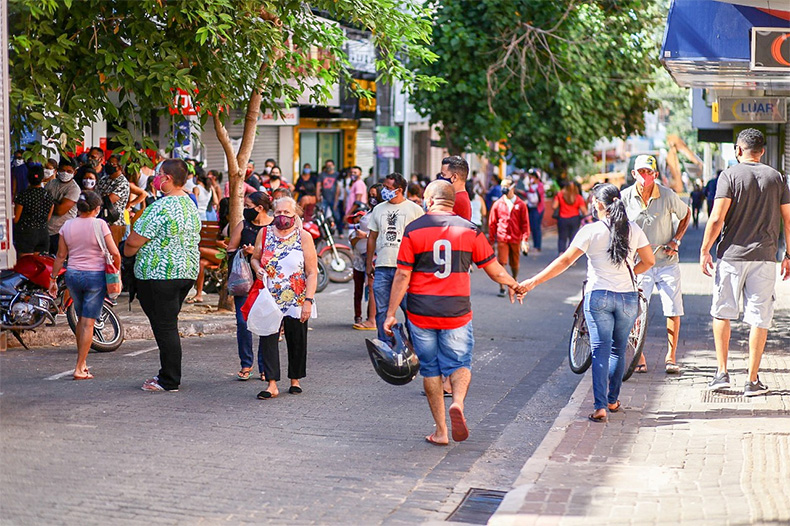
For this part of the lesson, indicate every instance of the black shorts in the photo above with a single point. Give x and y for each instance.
(29, 240)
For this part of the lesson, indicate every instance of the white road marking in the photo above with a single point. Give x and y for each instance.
(338, 291)
(59, 375)
(141, 351)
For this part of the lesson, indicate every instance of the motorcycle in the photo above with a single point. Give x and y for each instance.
(26, 304)
(336, 257)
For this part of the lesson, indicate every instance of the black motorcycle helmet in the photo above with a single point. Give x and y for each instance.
(398, 365)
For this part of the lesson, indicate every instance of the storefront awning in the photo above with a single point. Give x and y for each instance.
(707, 44)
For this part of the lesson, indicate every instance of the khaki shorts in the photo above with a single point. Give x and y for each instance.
(749, 282)
(666, 280)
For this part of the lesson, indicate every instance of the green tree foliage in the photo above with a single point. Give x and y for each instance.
(78, 61)
(550, 77)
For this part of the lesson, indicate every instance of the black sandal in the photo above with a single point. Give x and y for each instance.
(597, 419)
(616, 407)
(295, 389)
(265, 395)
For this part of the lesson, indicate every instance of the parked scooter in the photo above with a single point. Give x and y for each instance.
(336, 257)
(25, 303)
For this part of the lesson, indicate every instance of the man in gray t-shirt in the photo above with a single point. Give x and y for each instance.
(752, 200)
(65, 192)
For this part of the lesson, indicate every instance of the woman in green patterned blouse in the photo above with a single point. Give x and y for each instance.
(165, 239)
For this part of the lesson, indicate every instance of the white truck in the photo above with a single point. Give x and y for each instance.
(7, 252)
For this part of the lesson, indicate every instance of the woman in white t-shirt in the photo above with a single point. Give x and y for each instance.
(611, 300)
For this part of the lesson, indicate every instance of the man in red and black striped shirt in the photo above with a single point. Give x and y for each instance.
(433, 267)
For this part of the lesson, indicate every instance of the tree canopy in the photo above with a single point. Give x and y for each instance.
(549, 77)
(76, 62)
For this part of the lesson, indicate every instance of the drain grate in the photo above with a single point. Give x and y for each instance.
(723, 397)
(478, 506)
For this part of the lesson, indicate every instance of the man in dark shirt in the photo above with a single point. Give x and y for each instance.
(710, 191)
(433, 266)
(749, 198)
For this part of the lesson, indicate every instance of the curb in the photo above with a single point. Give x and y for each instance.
(60, 334)
(508, 513)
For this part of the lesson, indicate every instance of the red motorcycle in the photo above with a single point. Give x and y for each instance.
(25, 303)
(336, 257)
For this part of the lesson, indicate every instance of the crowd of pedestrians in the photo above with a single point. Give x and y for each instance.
(413, 247)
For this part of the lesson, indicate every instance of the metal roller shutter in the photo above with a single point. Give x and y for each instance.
(366, 156)
(267, 144)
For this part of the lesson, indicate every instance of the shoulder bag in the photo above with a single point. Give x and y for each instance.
(112, 275)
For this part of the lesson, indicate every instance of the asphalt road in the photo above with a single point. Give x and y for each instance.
(349, 450)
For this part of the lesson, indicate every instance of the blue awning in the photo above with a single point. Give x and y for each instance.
(707, 45)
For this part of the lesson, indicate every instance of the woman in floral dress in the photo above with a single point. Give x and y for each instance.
(285, 261)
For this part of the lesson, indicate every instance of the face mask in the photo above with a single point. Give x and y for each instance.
(49, 173)
(387, 194)
(274, 176)
(267, 170)
(65, 177)
(88, 183)
(250, 214)
(307, 171)
(156, 184)
(19, 162)
(373, 201)
(646, 179)
(249, 172)
(284, 222)
(94, 162)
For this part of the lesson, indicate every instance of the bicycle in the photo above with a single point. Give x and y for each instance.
(580, 350)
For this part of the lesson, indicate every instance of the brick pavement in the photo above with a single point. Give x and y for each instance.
(677, 454)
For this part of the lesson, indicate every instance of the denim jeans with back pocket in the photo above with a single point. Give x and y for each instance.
(610, 317)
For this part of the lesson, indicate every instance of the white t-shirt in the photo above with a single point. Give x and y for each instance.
(390, 221)
(602, 274)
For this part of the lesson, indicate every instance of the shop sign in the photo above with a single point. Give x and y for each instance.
(770, 49)
(388, 142)
(182, 104)
(361, 54)
(288, 117)
(751, 109)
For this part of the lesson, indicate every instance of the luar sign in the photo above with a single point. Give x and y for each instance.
(752, 109)
(770, 49)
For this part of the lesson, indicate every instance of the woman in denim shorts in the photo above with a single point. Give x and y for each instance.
(85, 273)
(611, 300)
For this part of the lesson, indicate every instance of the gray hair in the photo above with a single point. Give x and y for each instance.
(290, 200)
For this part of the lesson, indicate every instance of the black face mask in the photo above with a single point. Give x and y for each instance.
(250, 214)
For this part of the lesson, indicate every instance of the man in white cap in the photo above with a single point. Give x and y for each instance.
(652, 207)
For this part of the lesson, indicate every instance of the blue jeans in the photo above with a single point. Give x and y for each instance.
(610, 317)
(87, 288)
(244, 338)
(382, 285)
(535, 225)
(442, 351)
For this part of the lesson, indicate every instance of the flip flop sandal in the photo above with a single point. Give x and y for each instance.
(617, 407)
(641, 369)
(193, 301)
(87, 376)
(458, 424)
(597, 419)
(431, 440)
(243, 375)
(671, 368)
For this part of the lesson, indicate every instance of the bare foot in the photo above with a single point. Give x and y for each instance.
(437, 440)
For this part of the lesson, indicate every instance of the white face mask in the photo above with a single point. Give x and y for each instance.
(65, 177)
(49, 173)
(19, 162)
(88, 183)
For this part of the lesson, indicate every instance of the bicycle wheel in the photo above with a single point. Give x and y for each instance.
(579, 350)
(636, 340)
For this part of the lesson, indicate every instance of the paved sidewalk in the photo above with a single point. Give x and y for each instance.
(195, 320)
(678, 453)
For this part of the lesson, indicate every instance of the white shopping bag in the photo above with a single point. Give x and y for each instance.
(265, 316)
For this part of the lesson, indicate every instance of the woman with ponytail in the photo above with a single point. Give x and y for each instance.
(611, 299)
